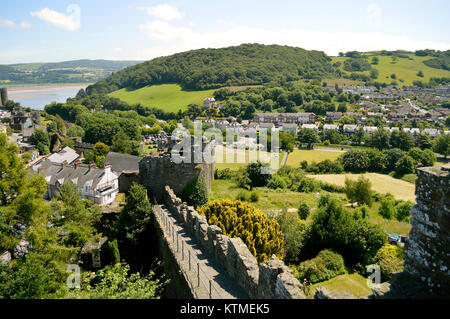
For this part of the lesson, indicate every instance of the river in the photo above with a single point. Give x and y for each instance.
(38, 96)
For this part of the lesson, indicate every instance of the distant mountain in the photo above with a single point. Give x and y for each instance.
(247, 64)
(79, 71)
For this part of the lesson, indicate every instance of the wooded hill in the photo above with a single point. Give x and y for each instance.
(247, 64)
(78, 71)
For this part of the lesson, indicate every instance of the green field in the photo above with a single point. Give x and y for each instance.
(297, 156)
(352, 283)
(263, 156)
(403, 68)
(168, 97)
(380, 183)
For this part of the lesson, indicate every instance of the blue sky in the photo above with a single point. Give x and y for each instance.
(59, 30)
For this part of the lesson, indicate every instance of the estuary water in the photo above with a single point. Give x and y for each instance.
(37, 97)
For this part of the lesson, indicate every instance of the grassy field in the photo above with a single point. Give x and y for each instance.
(352, 283)
(168, 97)
(269, 200)
(264, 157)
(404, 69)
(380, 183)
(297, 156)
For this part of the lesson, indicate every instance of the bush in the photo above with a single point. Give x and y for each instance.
(308, 185)
(293, 229)
(359, 191)
(258, 178)
(254, 196)
(390, 260)
(356, 161)
(195, 193)
(223, 174)
(403, 211)
(303, 211)
(325, 266)
(276, 182)
(262, 236)
(387, 208)
(405, 165)
(243, 196)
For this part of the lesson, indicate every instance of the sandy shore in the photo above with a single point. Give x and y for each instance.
(45, 87)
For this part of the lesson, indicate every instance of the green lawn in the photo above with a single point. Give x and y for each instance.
(404, 69)
(168, 97)
(381, 183)
(352, 283)
(297, 156)
(260, 155)
(269, 199)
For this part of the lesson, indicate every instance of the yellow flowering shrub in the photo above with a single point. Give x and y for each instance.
(262, 236)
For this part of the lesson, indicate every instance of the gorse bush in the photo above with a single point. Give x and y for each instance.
(262, 236)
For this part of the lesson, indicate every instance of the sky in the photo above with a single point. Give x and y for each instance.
(60, 30)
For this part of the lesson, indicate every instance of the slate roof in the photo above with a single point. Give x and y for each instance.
(65, 155)
(123, 162)
(83, 174)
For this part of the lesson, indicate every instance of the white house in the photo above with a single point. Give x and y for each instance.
(67, 155)
(99, 185)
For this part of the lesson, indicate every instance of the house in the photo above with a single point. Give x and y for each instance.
(395, 117)
(209, 103)
(370, 129)
(411, 131)
(290, 128)
(67, 155)
(281, 118)
(311, 126)
(391, 129)
(350, 129)
(333, 116)
(418, 116)
(221, 124)
(431, 132)
(327, 127)
(374, 114)
(123, 162)
(99, 185)
(266, 126)
(358, 116)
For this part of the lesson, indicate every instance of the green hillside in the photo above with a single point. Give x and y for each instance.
(78, 71)
(247, 64)
(168, 97)
(406, 68)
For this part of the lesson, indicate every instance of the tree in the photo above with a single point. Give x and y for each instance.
(114, 282)
(402, 140)
(196, 193)
(308, 136)
(134, 217)
(303, 211)
(257, 174)
(355, 161)
(391, 157)
(424, 141)
(359, 136)
(380, 139)
(405, 165)
(334, 228)
(441, 145)
(40, 137)
(101, 149)
(294, 230)
(287, 142)
(403, 211)
(75, 131)
(375, 61)
(262, 235)
(387, 207)
(121, 143)
(374, 73)
(359, 191)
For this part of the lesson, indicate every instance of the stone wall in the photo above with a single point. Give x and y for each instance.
(157, 172)
(126, 179)
(271, 279)
(427, 251)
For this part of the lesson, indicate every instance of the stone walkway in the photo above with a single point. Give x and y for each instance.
(205, 277)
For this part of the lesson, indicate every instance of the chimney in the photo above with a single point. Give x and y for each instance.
(107, 168)
(91, 165)
(77, 163)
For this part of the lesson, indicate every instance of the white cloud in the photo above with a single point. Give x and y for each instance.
(173, 39)
(5, 23)
(374, 18)
(25, 25)
(60, 20)
(164, 12)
